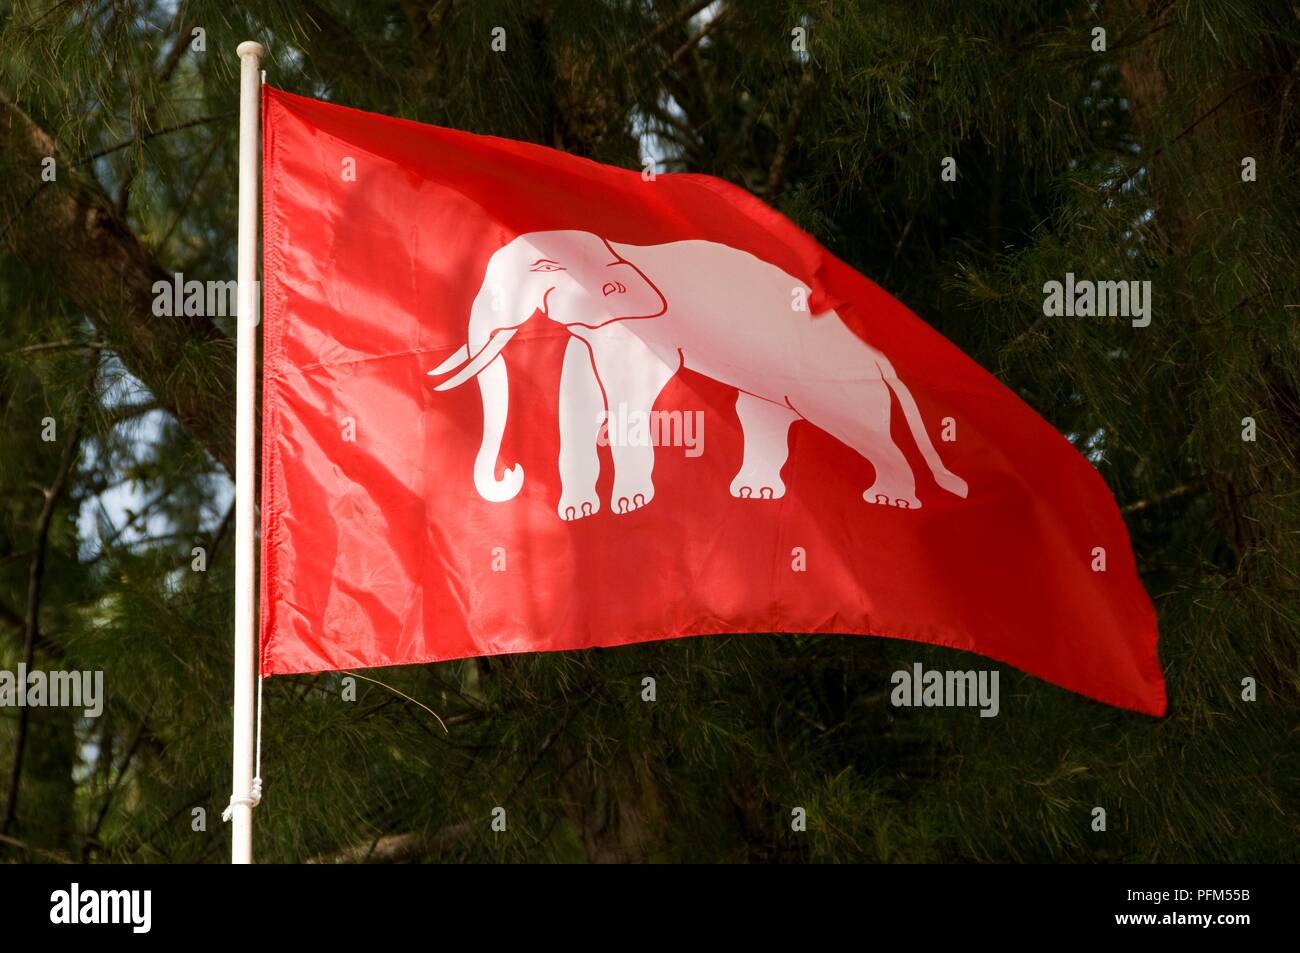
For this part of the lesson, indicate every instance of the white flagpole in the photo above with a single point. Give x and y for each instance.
(241, 800)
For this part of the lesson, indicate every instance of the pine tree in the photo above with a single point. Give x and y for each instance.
(962, 154)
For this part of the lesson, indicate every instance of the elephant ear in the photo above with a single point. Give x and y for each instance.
(634, 294)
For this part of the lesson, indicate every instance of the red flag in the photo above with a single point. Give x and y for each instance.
(516, 401)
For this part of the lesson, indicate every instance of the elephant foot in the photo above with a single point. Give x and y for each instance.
(626, 499)
(577, 505)
(904, 501)
(757, 486)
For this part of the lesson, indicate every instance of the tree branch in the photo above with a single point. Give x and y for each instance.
(674, 21)
(185, 361)
(397, 848)
(32, 631)
(53, 855)
(776, 174)
(115, 786)
(1139, 505)
(145, 137)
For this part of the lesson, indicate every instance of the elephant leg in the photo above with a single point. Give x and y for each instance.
(859, 416)
(581, 410)
(632, 375)
(766, 427)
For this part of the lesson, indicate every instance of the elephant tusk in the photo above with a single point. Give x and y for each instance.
(456, 360)
(480, 360)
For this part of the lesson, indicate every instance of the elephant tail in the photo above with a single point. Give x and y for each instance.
(942, 475)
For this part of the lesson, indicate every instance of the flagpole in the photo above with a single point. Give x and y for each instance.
(241, 800)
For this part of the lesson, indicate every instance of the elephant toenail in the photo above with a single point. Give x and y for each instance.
(766, 493)
(586, 509)
(568, 512)
(638, 501)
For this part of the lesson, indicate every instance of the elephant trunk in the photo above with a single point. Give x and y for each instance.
(493, 385)
(481, 359)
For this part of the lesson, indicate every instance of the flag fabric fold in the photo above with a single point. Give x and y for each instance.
(516, 401)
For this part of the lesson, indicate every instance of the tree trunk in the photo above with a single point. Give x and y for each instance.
(101, 268)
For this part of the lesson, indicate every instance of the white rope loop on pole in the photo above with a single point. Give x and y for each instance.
(254, 795)
(252, 799)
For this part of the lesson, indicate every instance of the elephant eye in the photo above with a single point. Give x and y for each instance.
(545, 265)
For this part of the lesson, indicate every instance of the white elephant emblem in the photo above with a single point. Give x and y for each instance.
(639, 313)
